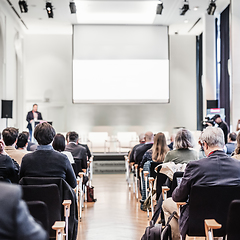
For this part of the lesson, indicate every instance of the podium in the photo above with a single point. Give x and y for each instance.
(34, 123)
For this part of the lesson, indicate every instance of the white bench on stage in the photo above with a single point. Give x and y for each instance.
(127, 140)
(99, 141)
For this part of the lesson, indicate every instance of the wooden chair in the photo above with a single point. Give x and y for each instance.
(232, 228)
(210, 202)
(65, 193)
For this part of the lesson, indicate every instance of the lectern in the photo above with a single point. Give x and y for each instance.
(34, 123)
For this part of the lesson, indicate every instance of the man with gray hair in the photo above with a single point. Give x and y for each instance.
(216, 169)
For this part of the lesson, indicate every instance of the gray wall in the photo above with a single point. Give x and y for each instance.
(48, 82)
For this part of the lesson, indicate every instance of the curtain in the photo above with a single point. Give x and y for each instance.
(224, 76)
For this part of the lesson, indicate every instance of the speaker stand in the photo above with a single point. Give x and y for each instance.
(6, 122)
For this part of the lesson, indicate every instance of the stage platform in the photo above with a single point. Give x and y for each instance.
(106, 163)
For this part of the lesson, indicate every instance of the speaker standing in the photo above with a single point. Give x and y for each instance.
(33, 115)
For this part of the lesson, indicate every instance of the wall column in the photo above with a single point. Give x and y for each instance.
(209, 60)
(235, 60)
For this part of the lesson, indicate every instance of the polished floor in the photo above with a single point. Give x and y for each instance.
(116, 215)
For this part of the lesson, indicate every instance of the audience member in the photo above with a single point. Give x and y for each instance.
(182, 152)
(10, 135)
(236, 153)
(216, 169)
(170, 145)
(231, 145)
(59, 145)
(156, 154)
(45, 161)
(201, 153)
(81, 144)
(22, 142)
(78, 152)
(15, 219)
(31, 145)
(223, 125)
(132, 153)
(8, 170)
(139, 152)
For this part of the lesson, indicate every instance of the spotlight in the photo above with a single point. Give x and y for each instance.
(73, 8)
(23, 6)
(184, 8)
(49, 9)
(211, 8)
(159, 8)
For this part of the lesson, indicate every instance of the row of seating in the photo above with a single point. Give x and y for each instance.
(215, 215)
(44, 197)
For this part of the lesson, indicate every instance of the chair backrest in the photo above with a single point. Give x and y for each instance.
(39, 211)
(161, 181)
(49, 194)
(174, 183)
(152, 169)
(210, 202)
(233, 232)
(66, 193)
(78, 166)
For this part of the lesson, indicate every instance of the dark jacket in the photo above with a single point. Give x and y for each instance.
(217, 169)
(87, 149)
(223, 125)
(8, 170)
(78, 152)
(48, 163)
(140, 152)
(16, 223)
(132, 153)
(30, 117)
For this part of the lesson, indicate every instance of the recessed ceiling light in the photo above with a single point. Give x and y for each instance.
(196, 8)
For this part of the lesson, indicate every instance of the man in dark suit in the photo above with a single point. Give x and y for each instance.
(33, 115)
(143, 148)
(216, 169)
(45, 161)
(223, 125)
(79, 153)
(132, 152)
(15, 219)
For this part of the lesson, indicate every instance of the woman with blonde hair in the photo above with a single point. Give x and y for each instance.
(156, 154)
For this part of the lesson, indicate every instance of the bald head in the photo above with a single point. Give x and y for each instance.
(149, 136)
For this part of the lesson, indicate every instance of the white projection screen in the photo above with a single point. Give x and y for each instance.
(120, 64)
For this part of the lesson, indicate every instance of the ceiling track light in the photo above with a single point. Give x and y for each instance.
(49, 9)
(23, 6)
(212, 7)
(184, 8)
(73, 8)
(159, 8)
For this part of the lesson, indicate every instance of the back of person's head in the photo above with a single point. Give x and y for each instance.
(237, 150)
(10, 135)
(213, 136)
(184, 139)
(232, 136)
(67, 136)
(1, 146)
(26, 133)
(149, 136)
(159, 148)
(44, 133)
(73, 137)
(59, 142)
(141, 137)
(22, 140)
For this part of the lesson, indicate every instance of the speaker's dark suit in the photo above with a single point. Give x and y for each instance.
(217, 169)
(78, 152)
(31, 117)
(15, 219)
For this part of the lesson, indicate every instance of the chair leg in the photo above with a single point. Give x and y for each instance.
(66, 204)
(59, 227)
